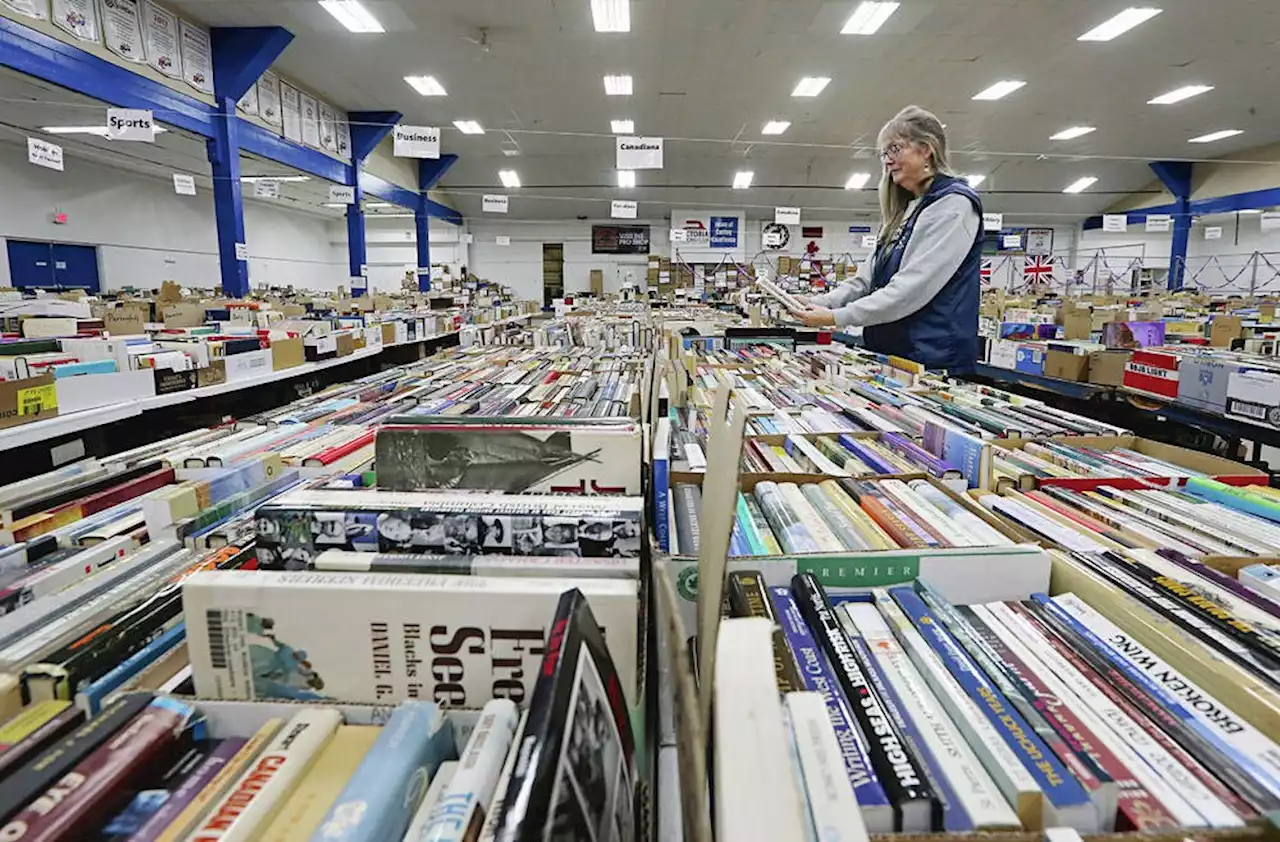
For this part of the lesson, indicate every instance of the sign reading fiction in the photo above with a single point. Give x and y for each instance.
(417, 142)
(619, 239)
(639, 153)
(131, 124)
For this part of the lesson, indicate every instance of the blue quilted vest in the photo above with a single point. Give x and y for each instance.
(944, 332)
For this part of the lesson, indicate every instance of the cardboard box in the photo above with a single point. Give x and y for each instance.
(1066, 366)
(1223, 329)
(24, 401)
(1153, 373)
(90, 391)
(286, 353)
(182, 314)
(1253, 396)
(597, 281)
(1077, 323)
(212, 374)
(1202, 382)
(1106, 368)
(1003, 354)
(1029, 360)
(123, 323)
(346, 344)
(167, 381)
(248, 365)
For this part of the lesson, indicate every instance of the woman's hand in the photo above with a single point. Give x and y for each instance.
(816, 317)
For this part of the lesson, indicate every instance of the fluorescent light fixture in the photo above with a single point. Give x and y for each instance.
(811, 85)
(611, 15)
(626, 179)
(374, 205)
(394, 216)
(617, 85)
(868, 17)
(775, 127)
(1080, 185)
(742, 180)
(426, 85)
(1073, 133)
(1180, 94)
(975, 179)
(999, 89)
(1212, 136)
(336, 205)
(352, 15)
(1250, 210)
(857, 181)
(1120, 24)
(510, 179)
(99, 131)
(283, 179)
(468, 126)
(627, 127)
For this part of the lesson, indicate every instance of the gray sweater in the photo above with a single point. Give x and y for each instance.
(942, 238)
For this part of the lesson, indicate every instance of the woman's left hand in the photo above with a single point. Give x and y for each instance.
(817, 317)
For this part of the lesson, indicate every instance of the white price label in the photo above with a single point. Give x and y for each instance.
(494, 204)
(341, 194)
(131, 124)
(269, 189)
(42, 153)
(1115, 223)
(992, 221)
(623, 209)
(1012, 241)
(639, 153)
(416, 142)
(184, 185)
(786, 216)
(242, 251)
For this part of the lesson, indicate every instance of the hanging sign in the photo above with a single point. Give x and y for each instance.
(183, 184)
(78, 17)
(1039, 242)
(131, 124)
(1012, 241)
(122, 29)
(328, 134)
(494, 204)
(310, 120)
(242, 251)
(266, 189)
(1270, 220)
(160, 38)
(197, 57)
(42, 153)
(992, 222)
(1115, 223)
(249, 102)
(291, 112)
(622, 209)
(679, 235)
(868, 241)
(1159, 222)
(786, 216)
(417, 142)
(341, 193)
(1213, 232)
(343, 132)
(639, 153)
(38, 9)
(502, 240)
(269, 98)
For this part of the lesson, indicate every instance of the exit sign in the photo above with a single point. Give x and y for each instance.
(60, 218)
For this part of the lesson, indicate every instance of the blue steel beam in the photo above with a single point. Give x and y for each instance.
(267, 144)
(368, 128)
(431, 170)
(241, 54)
(422, 235)
(1176, 177)
(228, 204)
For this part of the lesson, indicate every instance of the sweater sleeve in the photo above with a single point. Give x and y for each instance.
(943, 235)
(851, 290)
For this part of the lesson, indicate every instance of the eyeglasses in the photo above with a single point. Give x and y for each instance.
(891, 151)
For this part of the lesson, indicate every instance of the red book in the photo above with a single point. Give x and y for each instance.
(333, 454)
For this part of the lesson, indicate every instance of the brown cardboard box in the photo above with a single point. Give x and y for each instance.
(182, 314)
(213, 374)
(1066, 366)
(286, 353)
(1223, 329)
(346, 344)
(24, 401)
(1077, 323)
(1267, 311)
(1106, 368)
(388, 333)
(597, 281)
(123, 323)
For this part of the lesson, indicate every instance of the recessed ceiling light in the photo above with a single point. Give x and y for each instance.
(426, 85)
(377, 205)
(627, 127)
(1180, 94)
(1212, 136)
(1080, 185)
(857, 181)
(1073, 133)
(611, 15)
(811, 85)
(1119, 24)
(352, 15)
(742, 180)
(99, 131)
(336, 205)
(626, 178)
(868, 17)
(511, 153)
(281, 178)
(617, 85)
(775, 127)
(999, 89)
(468, 126)
(510, 179)
(975, 179)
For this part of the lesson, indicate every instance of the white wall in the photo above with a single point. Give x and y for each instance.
(391, 248)
(147, 234)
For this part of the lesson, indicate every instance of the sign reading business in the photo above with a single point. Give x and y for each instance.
(619, 239)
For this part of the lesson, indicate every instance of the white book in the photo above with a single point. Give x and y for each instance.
(1161, 774)
(263, 787)
(832, 807)
(1261, 578)
(813, 522)
(1013, 780)
(490, 830)
(822, 463)
(953, 531)
(977, 792)
(444, 776)
(62, 574)
(756, 794)
(984, 535)
(460, 812)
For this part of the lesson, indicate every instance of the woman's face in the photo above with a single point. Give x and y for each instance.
(908, 163)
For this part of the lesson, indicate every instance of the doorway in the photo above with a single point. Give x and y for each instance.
(552, 272)
(52, 265)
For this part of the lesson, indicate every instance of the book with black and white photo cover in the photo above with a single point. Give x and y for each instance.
(575, 773)
(458, 641)
(515, 455)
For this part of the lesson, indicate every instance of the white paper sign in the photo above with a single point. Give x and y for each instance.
(249, 102)
(1159, 222)
(343, 131)
(291, 112)
(269, 189)
(242, 251)
(79, 17)
(679, 235)
(786, 216)
(310, 120)
(1012, 241)
(197, 57)
(772, 239)
(160, 37)
(38, 9)
(494, 204)
(623, 209)
(42, 153)
(992, 221)
(416, 142)
(868, 241)
(1040, 242)
(269, 98)
(131, 124)
(1213, 232)
(639, 153)
(501, 240)
(328, 135)
(342, 193)
(184, 185)
(1115, 223)
(122, 29)
(1270, 220)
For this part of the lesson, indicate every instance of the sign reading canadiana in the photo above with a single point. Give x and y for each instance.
(619, 239)
(639, 153)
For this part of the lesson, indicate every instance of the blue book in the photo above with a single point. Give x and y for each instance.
(379, 801)
(65, 370)
(90, 698)
(662, 483)
(1070, 804)
(816, 674)
(744, 522)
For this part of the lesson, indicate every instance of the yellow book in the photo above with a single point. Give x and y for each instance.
(10, 696)
(297, 820)
(29, 720)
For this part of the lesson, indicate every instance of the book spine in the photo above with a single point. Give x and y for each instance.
(902, 773)
(786, 524)
(661, 481)
(762, 528)
(747, 599)
(91, 697)
(831, 803)
(187, 790)
(817, 676)
(19, 752)
(688, 502)
(493, 812)
(29, 721)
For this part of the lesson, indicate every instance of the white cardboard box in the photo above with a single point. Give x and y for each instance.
(248, 365)
(1254, 396)
(89, 391)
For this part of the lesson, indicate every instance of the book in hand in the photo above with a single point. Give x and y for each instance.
(379, 637)
(576, 772)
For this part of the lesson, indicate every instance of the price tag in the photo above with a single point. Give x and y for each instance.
(37, 399)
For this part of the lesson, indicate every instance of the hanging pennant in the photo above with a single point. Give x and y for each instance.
(249, 102)
(78, 17)
(291, 112)
(160, 38)
(197, 57)
(38, 9)
(343, 130)
(328, 135)
(269, 98)
(122, 29)
(310, 121)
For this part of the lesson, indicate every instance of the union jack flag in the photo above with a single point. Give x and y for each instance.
(1037, 271)
(985, 271)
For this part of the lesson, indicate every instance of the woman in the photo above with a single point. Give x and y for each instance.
(917, 297)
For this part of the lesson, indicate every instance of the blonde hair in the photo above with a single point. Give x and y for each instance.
(913, 125)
